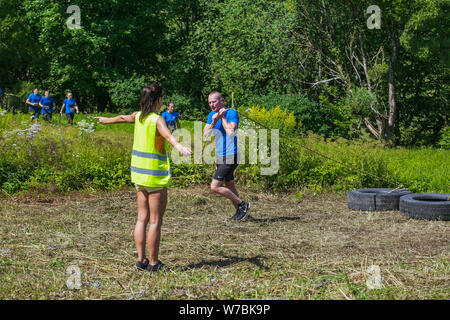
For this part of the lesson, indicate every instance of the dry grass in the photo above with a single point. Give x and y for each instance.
(314, 248)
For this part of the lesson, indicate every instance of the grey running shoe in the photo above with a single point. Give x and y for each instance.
(241, 214)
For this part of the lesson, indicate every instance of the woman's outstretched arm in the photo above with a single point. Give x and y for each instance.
(165, 132)
(119, 119)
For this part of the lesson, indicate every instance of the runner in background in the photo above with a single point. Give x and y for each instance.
(171, 117)
(48, 105)
(33, 104)
(70, 106)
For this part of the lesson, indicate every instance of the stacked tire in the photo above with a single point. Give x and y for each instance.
(428, 206)
(375, 199)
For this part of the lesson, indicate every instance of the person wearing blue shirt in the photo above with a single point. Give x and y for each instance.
(171, 117)
(70, 106)
(48, 105)
(224, 122)
(1, 91)
(33, 104)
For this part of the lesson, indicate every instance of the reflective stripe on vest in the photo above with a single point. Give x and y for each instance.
(149, 155)
(149, 167)
(150, 172)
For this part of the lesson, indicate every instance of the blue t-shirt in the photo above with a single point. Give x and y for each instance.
(225, 145)
(34, 98)
(47, 103)
(70, 105)
(171, 119)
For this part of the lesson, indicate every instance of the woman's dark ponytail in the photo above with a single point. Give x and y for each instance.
(149, 99)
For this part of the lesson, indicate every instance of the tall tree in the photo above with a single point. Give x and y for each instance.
(348, 52)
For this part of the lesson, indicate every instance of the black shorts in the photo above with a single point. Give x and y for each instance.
(34, 113)
(225, 168)
(47, 117)
(70, 117)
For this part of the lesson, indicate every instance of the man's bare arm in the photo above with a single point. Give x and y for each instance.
(230, 128)
(208, 128)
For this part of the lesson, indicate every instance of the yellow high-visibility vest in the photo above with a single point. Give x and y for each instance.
(150, 164)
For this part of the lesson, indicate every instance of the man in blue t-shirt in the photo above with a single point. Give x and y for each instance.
(171, 117)
(224, 123)
(33, 104)
(48, 105)
(70, 106)
(1, 91)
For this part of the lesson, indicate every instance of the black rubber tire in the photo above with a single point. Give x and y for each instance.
(428, 206)
(375, 199)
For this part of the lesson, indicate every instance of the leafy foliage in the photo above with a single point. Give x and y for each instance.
(445, 137)
(125, 94)
(306, 56)
(60, 158)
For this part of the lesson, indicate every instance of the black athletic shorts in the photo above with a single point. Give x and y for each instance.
(47, 117)
(225, 168)
(70, 117)
(34, 112)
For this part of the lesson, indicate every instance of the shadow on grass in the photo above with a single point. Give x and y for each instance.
(277, 219)
(227, 261)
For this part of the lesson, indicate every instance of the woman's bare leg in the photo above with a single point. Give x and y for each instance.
(157, 203)
(141, 224)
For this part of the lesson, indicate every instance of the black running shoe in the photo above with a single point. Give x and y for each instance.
(156, 267)
(142, 266)
(243, 208)
(235, 215)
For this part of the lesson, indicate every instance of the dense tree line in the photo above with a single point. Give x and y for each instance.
(318, 59)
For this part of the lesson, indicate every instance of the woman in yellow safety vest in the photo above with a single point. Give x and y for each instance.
(150, 171)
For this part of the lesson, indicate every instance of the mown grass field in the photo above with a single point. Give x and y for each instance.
(297, 244)
(312, 248)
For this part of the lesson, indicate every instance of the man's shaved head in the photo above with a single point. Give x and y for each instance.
(217, 94)
(215, 101)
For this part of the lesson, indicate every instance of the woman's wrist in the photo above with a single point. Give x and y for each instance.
(178, 145)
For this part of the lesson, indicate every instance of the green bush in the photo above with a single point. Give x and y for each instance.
(64, 158)
(445, 138)
(305, 111)
(61, 158)
(188, 108)
(361, 102)
(275, 118)
(126, 93)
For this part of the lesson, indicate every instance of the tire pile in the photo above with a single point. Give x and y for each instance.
(428, 206)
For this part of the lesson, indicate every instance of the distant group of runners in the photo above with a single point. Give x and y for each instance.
(45, 105)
